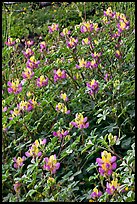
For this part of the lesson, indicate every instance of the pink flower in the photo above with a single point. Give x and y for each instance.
(80, 122)
(42, 46)
(118, 54)
(65, 32)
(14, 86)
(41, 81)
(86, 41)
(111, 187)
(10, 42)
(29, 43)
(51, 164)
(53, 27)
(32, 63)
(72, 42)
(96, 193)
(17, 187)
(28, 73)
(64, 97)
(28, 53)
(60, 134)
(34, 150)
(106, 164)
(83, 63)
(93, 87)
(86, 27)
(60, 107)
(18, 161)
(58, 74)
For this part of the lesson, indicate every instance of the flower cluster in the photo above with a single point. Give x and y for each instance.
(58, 74)
(83, 63)
(53, 27)
(34, 149)
(80, 122)
(93, 87)
(86, 27)
(14, 86)
(10, 42)
(60, 107)
(32, 63)
(72, 42)
(96, 193)
(51, 164)
(28, 53)
(65, 32)
(60, 133)
(41, 81)
(28, 73)
(18, 161)
(64, 97)
(106, 164)
(111, 187)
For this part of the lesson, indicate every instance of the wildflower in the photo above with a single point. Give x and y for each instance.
(28, 73)
(65, 32)
(18, 162)
(53, 28)
(93, 87)
(96, 55)
(31, 104)
(51, 164)
(58, 74)
(86, 27)
(22, 106)
(86, 41)
(10, 42)
(17, 187)
(105, 20)
(15, 86)
(60, 134)
(107, 77)
(41, 81)
(96, 193)
(4, 128)
(123, 25)
(43, 142)
(109, 12)
(94, 63)
(106, 164)
(34, 150)
(80, 121)
(28, 53)
(14, 113)
(83, 63)
(29, 43)
(32, 63)
(118, 54)
(60, 107)
(4, 109)
(111, 187)
(72, 42)
(42, 46)
(64, 96)
(95, 26)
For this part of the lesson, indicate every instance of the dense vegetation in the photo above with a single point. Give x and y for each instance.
(68, 102)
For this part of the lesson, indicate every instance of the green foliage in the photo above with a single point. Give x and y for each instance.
(110, 111)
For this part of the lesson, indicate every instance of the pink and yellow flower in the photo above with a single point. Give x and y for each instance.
(72, 42)
(15, 86)
(118, 54)
(29, 43)
(83, 63)
(93, 87)
(53, 27)
(65, 32)
(41, 81)
(18, 161)
(34, 150)
(64, 96)
(14, 113)
(111, 187)
(32, 63)
(42, 46)
(60, 107)
(80, 122)
(109, 12)
(60, 133)
(28, 53)
(106, 164)
(51, 164)
(58, 74)
(28, 73)
(10, 42)
(17, 186)
(86, 27)
(86, 41)
(96, 193)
